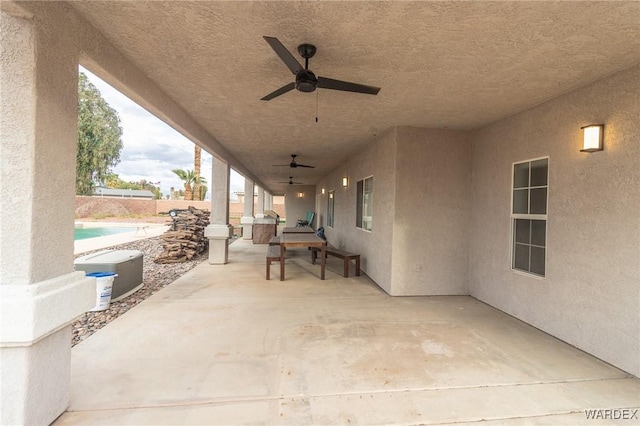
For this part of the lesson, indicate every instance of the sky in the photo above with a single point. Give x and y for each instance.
(152, 148)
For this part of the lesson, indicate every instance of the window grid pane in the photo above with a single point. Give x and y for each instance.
(523, 231)
(521, 201)
(539, 172)
(530, 189)
(359, 204)
(521, 257)
(521, 175)
(364, 204)
(538, 203)
(330, 208)
(536, 265)
(538, 233)
(368, 204)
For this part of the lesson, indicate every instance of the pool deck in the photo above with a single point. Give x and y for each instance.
(140, 231)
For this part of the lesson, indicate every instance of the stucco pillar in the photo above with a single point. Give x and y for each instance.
(269, 201)
(247, 216)
(40, 294)
(260, 208)
(219, 231)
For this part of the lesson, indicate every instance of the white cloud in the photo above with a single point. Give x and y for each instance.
(151, 147)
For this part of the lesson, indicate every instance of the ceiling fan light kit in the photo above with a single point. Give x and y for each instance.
(306, 81)
(291, 182)
(293, 163)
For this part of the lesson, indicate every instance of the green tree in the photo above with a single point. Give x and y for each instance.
(201, 184)
(150, 186)
(203, 190)
(192, 181)
(112, 180)
(99, 137)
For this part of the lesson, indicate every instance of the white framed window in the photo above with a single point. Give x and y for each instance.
(364, 207)
(529, 199)
(330, 208)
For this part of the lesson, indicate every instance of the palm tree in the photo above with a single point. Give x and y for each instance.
(188, 177)
(201, 184)
(203, 190)
(196, 171)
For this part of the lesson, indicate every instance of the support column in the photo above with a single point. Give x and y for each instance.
(40, 294)
(219, 231)
(264, 226)
(268, 201)
(260, 209)
(247, 216)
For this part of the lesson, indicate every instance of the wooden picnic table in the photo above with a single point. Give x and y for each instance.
(302, 240)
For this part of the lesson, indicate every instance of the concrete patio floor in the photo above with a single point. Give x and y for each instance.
(222, 345)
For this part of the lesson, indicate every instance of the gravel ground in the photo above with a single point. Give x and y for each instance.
(155, 276)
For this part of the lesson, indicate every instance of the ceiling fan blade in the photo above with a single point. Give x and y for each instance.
(286, 56)
(291, 182)
(329, 83)
(293, 164)
(280, 91)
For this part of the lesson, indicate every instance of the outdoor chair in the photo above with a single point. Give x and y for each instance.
(310, 216)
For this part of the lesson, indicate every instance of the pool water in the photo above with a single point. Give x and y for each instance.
(84, 233)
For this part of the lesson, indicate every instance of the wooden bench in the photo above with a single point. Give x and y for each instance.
(342, 254)
(273, 255)
(274, 241)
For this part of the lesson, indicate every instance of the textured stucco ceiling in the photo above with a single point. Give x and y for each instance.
(440, 65)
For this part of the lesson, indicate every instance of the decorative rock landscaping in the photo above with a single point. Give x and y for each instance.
(155, 277)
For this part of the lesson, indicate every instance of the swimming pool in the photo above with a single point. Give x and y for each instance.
(84, 233)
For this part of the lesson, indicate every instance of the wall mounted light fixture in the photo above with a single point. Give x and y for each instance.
(345, 181)
(322, 191)
(300, 194)
(593, 136)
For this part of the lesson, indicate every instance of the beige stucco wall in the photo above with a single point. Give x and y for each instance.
(375, 247)
(297, 208)
(432, 212)
(591, 294)
(421, 198)
(40, 294)
(38, 144)
(441, 221)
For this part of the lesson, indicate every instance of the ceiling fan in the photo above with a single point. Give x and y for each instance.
(306, 80)
(291, 182)
(293, 163)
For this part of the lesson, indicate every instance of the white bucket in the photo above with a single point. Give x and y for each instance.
(104, 285)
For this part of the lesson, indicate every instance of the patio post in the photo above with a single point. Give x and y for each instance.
(269, 201)
(219, 231)
(40, 293)
(260, 208)
(247, 217)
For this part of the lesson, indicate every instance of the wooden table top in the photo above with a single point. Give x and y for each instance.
(298, 230)
(302, 240)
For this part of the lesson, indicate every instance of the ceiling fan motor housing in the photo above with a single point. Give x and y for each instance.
(306, 81)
